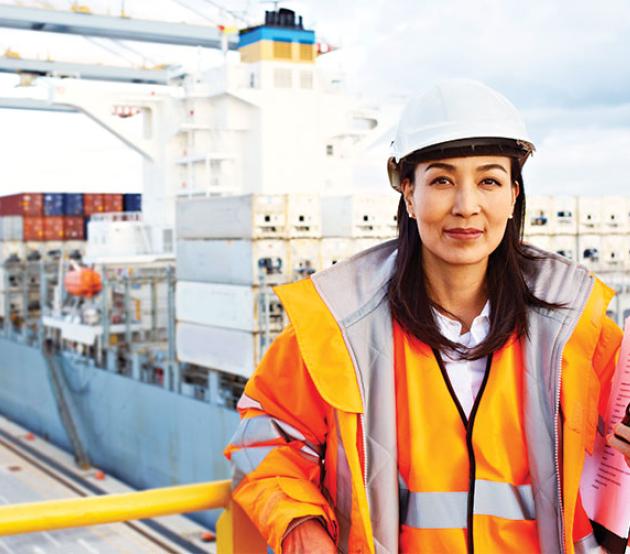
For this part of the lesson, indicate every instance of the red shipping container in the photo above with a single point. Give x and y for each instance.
(33, 228)
(53, 227)
(113, 202)
(73, 226)
(31, 204)
(93, 204)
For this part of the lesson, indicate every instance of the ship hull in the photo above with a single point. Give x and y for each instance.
(139, 433)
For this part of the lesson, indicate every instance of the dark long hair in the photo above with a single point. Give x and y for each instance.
(508, 267)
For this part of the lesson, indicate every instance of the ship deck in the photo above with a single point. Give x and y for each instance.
(32, 470)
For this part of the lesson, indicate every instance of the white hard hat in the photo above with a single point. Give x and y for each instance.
(457, 110)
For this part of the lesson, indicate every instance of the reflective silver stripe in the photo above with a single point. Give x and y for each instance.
(437, 510)
(448, 510)
(343, 504)
(246, 402)
(504, 500)
(263, 428)
(246, 460)
(588, 545)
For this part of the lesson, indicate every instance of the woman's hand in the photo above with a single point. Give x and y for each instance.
(623, 447)
(309, 537)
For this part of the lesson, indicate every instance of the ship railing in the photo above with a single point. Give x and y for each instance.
(117, 216)
(235, 532)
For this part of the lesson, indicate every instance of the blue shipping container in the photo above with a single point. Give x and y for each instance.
(132, 202)
(53, 204)
(73, 204)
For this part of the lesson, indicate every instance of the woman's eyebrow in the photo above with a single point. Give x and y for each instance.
(441, 165)
(485, 167)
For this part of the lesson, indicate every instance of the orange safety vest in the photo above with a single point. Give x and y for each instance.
(465, 481)
(307, 445)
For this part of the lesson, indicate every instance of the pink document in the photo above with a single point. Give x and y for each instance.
(605, 483)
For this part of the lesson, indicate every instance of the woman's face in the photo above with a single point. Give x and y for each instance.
(462, 206)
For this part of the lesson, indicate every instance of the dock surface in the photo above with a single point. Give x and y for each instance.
(33, 470)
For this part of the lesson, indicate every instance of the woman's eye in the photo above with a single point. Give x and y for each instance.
(441, 181)
(490, 181)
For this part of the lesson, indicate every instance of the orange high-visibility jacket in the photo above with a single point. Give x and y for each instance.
(318, 435)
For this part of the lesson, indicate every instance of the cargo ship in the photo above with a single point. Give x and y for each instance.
(129, 325)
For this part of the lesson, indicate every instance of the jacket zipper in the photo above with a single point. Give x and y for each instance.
(586, 291)
(364, 458)
(556, 453)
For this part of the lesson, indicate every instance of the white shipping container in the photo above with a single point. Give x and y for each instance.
(590, 251)
(8, 248)
(390, 215)
(250, 216)
(303, 215)
(11, 228)
(228, 306)
(565, 245)
(614, 252)
(228, 350)
(354, 216)
(614, 218)
(589, 214)
(539, 218)
(334, 250)
(304, 257)
(565, 215)
(240, 262)
(541, 241)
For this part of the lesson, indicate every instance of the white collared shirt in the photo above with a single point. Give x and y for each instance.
(466, 376)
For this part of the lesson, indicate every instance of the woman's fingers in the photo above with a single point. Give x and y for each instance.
(617, 443)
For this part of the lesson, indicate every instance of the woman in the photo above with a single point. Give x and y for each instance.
(436, 393)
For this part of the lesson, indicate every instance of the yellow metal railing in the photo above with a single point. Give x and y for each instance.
(235, 532)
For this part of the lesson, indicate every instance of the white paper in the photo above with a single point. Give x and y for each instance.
(605, 485)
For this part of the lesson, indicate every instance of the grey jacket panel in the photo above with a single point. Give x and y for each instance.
(355, 292)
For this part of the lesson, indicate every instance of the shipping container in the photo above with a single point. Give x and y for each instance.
(93, 204)
(30, 204)
(305, 257)
(303, 215)
(243, 262)
(112, 203)
(589, 214)
(228, 350)
(73, 227)
(11, 227)
(33, 228)
(53, 204)
(539, 219)
(252, 216)
(356, 216)
(73, 204)
(53, 227)
(132, 202)
(241, 307)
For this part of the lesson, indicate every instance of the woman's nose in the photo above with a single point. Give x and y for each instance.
(466, 201)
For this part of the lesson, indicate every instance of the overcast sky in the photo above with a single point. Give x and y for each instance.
(564, 64)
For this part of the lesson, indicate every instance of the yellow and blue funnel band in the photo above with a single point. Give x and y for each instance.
(276, 34)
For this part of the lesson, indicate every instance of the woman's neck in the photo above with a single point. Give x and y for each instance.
(459, 289)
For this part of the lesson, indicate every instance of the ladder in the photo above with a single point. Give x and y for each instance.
(56, 381)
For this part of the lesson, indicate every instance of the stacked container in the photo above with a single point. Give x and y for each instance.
(592, 230)
(230, 251)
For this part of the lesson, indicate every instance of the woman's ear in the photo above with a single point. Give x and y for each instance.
(407, 191)
(516, 190)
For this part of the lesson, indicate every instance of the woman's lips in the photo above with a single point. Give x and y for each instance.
(464, 234)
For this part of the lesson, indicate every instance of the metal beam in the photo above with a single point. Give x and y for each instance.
(35, 19)
(90, 71)
(33, 104)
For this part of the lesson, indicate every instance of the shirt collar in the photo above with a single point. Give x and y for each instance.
(451, 329)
